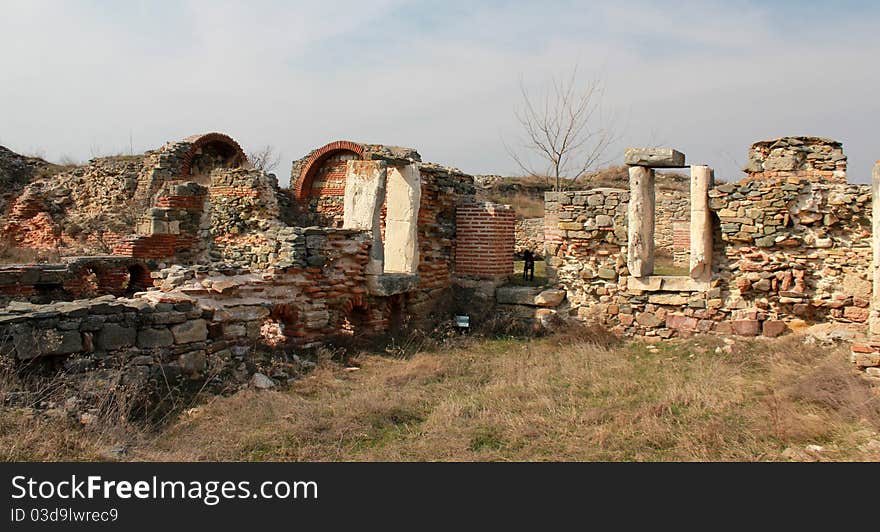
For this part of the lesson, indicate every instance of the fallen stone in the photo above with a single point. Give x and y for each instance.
(262, 382)
(549, 298)
(516, 295)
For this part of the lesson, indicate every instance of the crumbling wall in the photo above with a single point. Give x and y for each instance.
(786, 254)
(203, 323)
(75, 277)
(444, 189)
(673, 208)
(78, 210)
(529, 235)
(809, 158)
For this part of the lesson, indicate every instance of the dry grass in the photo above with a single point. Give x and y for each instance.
(525, 204)
(558, 398)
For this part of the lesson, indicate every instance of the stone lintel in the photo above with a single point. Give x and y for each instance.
(654, 157)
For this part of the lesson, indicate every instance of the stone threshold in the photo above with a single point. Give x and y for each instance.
(667, 283)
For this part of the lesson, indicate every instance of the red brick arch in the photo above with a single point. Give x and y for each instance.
(355, 302)
(199, 141)
(310, 168)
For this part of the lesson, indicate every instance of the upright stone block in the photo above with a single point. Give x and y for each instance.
(365, 185)
(640, 227)
(654, 157)
(702, 178)
(404, 190)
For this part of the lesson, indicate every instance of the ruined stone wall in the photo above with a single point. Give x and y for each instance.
(328, 189)
(443, 189)
(83, 209)
(307, 302)
(786, 254)
(810, 158)
(529, 234)
(115, 342)
(203, 321)
(233, 218)
(672, 207)
(75, 277)
(795, 249)
(172, 228)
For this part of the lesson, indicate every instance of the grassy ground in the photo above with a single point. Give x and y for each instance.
(558, 398)
(665, 265)
(540, 274)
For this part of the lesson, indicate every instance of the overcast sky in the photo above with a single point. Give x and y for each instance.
(708, 78)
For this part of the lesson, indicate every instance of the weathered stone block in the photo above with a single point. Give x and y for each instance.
(746, 327)
(668, 299)
(681, 322)
(865, 360)
(571, 226)
(856, 314)
(190, 331)
(549, 298)
(114, 336)
(150, 338)
(649, 319)
(774, 328)
(654, 157)
(192, 363)
(516, 295)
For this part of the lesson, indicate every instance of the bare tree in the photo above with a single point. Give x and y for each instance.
(265, 159)
(563, 128)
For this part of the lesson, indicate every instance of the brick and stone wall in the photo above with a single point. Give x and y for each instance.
(787, 253)
(75, 277)
(204, 321)
(810, 158)
(672, 209)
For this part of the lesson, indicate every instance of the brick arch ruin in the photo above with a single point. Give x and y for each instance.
(217, 145)
(356, 316)
(315, 161)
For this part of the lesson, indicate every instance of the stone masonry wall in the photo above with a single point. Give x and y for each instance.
(75, 277)
(810, 158)
(672, 206)
(786, 253)
(530, 235)
(203, 321)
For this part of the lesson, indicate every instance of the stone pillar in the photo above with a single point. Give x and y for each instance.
(640, 224)
(702, 178)
(404, 192)
(875, 243)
